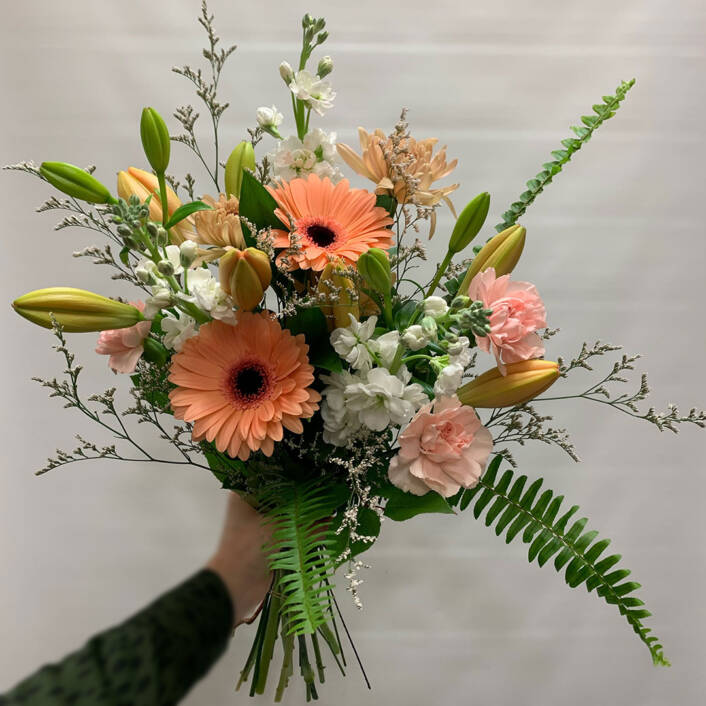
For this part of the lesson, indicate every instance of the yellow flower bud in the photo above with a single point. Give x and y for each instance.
(245, 275)
(333, 282)
(76, 310)
(142, 184)
(501, 252)
(522, 382)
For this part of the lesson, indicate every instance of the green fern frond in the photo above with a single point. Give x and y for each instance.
(300, 551)
(603, 111)
(512, 510)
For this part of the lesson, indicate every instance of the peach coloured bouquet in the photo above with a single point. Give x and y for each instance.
(282, 341)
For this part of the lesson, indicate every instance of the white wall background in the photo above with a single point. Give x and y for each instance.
(616, 247)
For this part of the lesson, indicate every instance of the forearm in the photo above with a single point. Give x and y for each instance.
(152, 659)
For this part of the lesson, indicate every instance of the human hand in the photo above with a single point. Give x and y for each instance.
(240, 561)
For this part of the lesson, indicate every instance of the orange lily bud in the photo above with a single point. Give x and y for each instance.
(332, 282)
(245, 275)
(522, 382)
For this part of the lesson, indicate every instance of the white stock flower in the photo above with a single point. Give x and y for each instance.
(339, 422)
(313, 91)
(146, 271)
(177, 330)
(317, 154)
(460, 352)
(351, 342)
(435, 306)
(415, 338)
(383, 399)
(174, 258)
(268, 117)
(207, 294)
(188, 252)
(448, 380)
(161, 298)
(385, 347)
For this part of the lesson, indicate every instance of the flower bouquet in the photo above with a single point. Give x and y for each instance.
(281, 340)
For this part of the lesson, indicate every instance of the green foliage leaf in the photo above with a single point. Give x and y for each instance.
(389, 203)
(603, 111)
(402, 506)
(536, 518)
(312, 323)
(301, 550)
(257, 206)
(185, 210)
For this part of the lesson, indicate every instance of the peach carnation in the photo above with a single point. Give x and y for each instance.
(243, 385)
(326, 221)
(444, 448)
(124, 345)
(518, 313)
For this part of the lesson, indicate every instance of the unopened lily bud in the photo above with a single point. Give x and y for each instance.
(521, 382)
(469, 222)
(76, 310)
(286, 72)
(501, 252)
(75, 182)
(188, 252)
(374, 267)
(325, 66)
(333, 284)
(155, 139)
(142, 185)
(245, 275)
(242, 157)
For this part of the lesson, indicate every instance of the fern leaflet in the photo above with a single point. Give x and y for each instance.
(300, 551)
(603, 111)
(512, 509)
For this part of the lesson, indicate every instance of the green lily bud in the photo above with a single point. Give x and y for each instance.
(469, 222)
(374, 267)
(501, 252)
(242, 157)
(75, 182)
(76, 310)
(155, 139)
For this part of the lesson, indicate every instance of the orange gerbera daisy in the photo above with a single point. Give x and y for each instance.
(242, 384)
(327, 222)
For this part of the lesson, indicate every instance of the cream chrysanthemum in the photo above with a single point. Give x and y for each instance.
(221, 224)
(243, 385)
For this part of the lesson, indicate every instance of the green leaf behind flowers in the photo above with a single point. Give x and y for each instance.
(257, 206)
(603, 111)
(312, 323)
(538, 518)
(185, 210)
(402, 506)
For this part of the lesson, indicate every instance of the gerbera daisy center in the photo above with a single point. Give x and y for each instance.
(321, 232)
(249, 382)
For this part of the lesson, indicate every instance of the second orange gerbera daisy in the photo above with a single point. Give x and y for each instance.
(241, 385)
(325, 222)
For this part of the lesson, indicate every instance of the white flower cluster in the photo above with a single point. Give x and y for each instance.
(206, 292)
(309, 88)
(316, 154)
(371, 396)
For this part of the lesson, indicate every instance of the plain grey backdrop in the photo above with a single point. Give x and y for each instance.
(616, 246)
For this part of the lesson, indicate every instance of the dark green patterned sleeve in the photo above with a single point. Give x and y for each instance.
(152, 659)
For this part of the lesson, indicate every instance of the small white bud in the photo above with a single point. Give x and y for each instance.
(286, 72)
(325, 66)
(435, 306)
(268, 118)
(188, 251)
